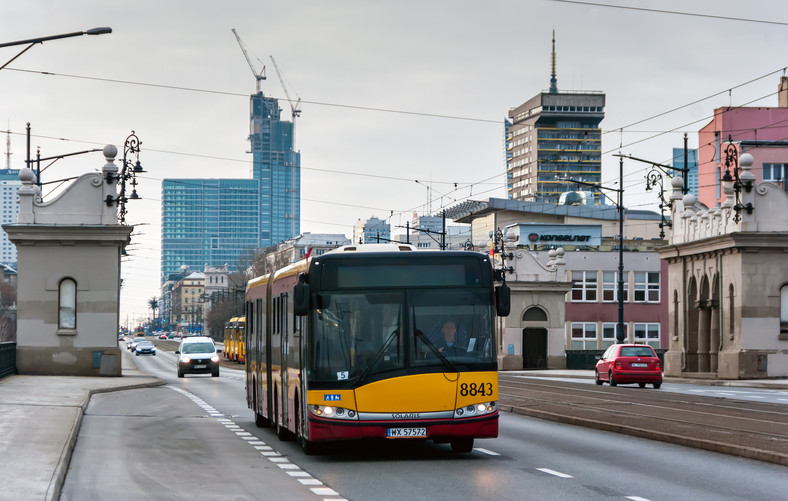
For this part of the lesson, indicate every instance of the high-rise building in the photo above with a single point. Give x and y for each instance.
(278, 168)
(208, 221)
(9, 190)
(552, 137)
(371, 231)
(214, 221)
(692, 163)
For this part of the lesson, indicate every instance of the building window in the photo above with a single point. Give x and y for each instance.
(584, 336)
(610, 286)
(584, 286)
(647, 334)
(774, 172)
(67, 304)
(609, 333)
(647, 287)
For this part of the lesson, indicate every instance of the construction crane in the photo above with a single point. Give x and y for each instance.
(258, 76)
(295, 112)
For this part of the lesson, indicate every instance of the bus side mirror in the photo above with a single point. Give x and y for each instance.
(503, 300)
(301, 299)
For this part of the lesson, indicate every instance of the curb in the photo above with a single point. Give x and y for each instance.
(734, 450)
(59, 475)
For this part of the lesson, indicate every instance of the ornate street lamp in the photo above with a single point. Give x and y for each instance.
(732, 182)
(128, 173)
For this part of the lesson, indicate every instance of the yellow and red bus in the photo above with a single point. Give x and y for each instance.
(228, 339)
(234, 344)
(239, 343)
(349, 345)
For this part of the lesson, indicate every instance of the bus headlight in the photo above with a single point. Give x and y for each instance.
(331, 412)
(473, 410)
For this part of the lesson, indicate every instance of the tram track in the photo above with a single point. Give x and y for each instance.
(756, 430)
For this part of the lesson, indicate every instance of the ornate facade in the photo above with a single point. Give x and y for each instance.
(727, 279)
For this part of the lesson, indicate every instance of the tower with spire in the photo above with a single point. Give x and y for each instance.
(553, 136)
(553, 79)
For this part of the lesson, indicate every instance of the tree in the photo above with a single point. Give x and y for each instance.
(153, 304)
(7, 312)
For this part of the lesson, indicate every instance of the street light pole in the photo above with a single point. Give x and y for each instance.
(620, 326)
(33, 41)
(620, 206)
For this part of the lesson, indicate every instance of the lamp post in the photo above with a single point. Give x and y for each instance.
(128, 172)
(33, 41)
(654, 178)
(620, 206)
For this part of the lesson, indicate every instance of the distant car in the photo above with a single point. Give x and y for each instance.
(628, 364)
(162, 336)
(197, 354)
(145, 348)
(132, 345)
(170, 335)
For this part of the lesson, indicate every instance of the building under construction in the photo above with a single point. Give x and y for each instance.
(212, 222)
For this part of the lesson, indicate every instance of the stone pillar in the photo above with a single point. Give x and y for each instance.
(714, 335)
(704, 329)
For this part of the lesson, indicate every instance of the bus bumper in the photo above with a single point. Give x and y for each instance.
(327, 430)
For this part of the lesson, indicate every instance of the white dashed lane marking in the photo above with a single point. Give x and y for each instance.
(267, 452)
(553, 472)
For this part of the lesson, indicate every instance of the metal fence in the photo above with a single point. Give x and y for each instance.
(586, 359)
(7, 359)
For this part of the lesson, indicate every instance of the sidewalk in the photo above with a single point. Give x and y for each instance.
(775, 384)
(40, 418)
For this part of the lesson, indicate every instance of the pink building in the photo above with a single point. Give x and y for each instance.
(761, 132)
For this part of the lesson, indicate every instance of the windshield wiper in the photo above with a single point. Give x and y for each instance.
(360, 379)
(435, 350)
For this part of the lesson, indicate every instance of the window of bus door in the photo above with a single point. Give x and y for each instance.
(355, 335)
(456, 324)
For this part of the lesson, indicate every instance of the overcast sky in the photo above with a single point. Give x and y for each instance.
(392, 92)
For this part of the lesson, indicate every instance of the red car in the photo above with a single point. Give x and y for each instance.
(629, 363)
(162, 336)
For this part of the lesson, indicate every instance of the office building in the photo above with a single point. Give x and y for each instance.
(692, 163)
(208, 222)
(215, 221)
(278, 168)
(9, 190)
(552, 137)
(371, 231)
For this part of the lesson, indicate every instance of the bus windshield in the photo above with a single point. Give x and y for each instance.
(359, 334)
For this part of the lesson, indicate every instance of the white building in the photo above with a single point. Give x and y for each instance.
(9, 191)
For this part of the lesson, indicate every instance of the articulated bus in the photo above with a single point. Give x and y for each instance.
(228, 339)
(234, 342)
(354, 344)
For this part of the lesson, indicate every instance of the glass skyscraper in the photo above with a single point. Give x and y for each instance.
(9, 190)
(692, 162)
(208, 221)
(214, 221)
(278, 168)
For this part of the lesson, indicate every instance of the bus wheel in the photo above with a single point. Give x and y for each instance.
(461, 445)
(261, 421)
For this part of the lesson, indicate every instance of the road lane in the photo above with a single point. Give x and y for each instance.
(532, 459)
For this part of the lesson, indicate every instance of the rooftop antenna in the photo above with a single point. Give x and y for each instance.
(8, 147)
(553, 80)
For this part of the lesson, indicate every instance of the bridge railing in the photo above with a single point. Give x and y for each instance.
(7, 359)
